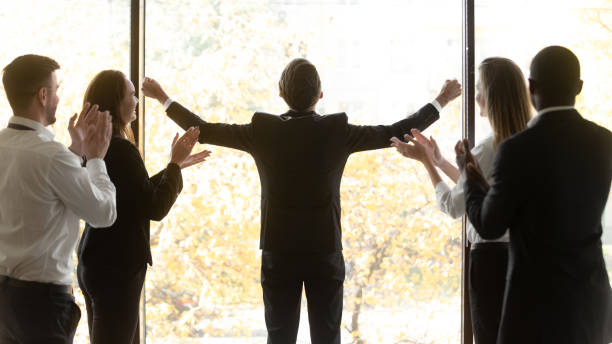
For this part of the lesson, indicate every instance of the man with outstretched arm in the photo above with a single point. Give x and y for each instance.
(300, 156)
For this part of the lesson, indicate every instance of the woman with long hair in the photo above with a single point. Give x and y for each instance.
(503, 98)
(113, 261)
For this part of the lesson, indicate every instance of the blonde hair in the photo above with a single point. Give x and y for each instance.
(506, 97)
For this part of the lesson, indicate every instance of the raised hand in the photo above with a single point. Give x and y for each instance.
(97, 138)
(182, 146)
(192, 159)
(152, 89)
(77, 127)
(450, 90)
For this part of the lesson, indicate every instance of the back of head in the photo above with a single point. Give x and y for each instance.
(24, 77)
(506, 98)
(107, 90)
(300, 85)
(555, 75)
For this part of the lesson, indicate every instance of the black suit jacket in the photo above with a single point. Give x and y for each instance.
(300, 158)
(140, 199)
(550, 186)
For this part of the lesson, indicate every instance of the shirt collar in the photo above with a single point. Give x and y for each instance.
(39, 128)
(294, 114)
(535, 118)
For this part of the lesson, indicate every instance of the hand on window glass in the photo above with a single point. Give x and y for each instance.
(450, 90)
(152, 89)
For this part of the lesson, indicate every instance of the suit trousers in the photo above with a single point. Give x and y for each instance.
(37, 313)
(282, 278)
(488, 266)
(112, 299)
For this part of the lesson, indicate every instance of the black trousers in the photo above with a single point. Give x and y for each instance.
(112, 298)
(36, 313)
(282, 278)
(488, 266)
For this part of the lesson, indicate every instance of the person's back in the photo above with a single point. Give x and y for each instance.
(300, 162)
(300, 157)
(558, 274)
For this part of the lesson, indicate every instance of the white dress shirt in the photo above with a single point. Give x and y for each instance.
(452, 201)
(44, 191)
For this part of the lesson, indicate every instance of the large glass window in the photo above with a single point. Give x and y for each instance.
(84, 37)
(519, 29)
(378, 60)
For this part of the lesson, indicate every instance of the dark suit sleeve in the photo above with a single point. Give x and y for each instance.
(366, 137)
(150, 197)
(237, 136)
(492, 212)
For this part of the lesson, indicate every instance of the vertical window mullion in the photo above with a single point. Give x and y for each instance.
(137, 72)
(468, 131)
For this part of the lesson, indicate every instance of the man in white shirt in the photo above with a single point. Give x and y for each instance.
(44, 190)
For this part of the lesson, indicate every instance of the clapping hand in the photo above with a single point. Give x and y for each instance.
(77, 126)
(466, 161)
(411, 149)
(182, 146)
(99, 129)
(430, 145)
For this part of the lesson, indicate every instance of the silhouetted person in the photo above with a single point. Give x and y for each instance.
(550, 186)
(300, 156)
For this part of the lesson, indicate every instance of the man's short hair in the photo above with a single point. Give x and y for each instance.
(556, 71)
(25, 76)
(300, 85)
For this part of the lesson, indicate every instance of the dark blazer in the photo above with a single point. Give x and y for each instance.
(300, 158)
(550, 186)
(140, 199)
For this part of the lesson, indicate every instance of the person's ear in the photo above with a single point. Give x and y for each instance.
(321, 95)
(579, 87)
(42, 96)
(532, 86)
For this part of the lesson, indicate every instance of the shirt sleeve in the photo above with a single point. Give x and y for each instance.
(87, 191)
(451, 201)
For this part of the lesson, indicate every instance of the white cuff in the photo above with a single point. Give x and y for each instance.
(437, 105)
(96, 167)
(167, 103)
(441, 188)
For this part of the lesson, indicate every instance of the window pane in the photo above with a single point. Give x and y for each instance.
(84, 37)
(378, 60)
(582, 26)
